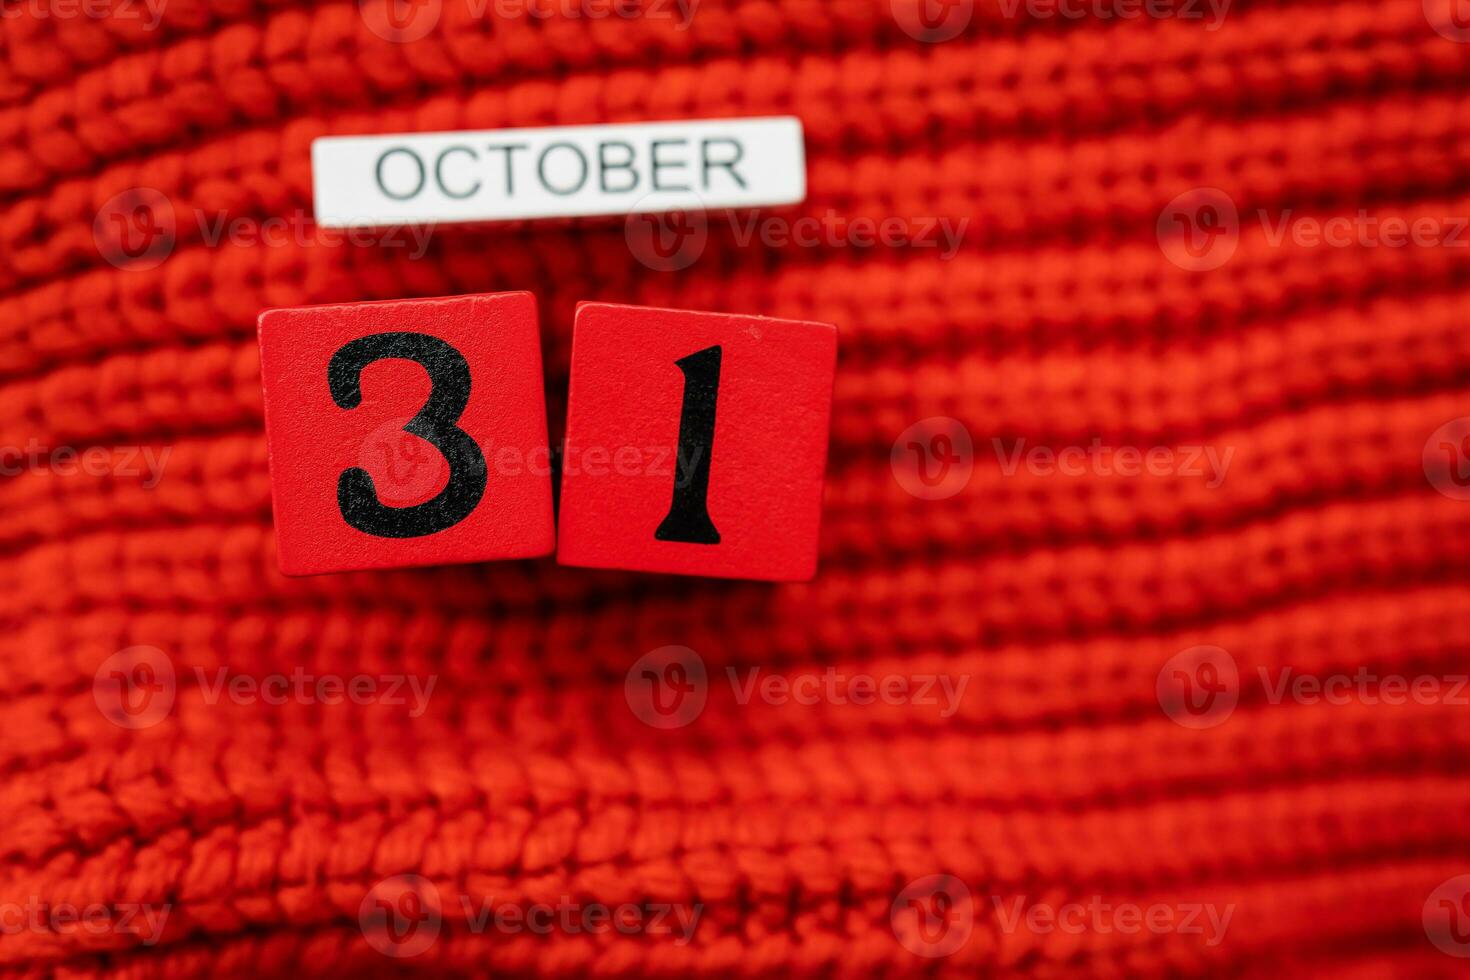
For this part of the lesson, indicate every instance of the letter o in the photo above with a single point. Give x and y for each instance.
(541, 169)
(384, 187)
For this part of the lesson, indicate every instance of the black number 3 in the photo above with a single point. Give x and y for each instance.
(436, 423)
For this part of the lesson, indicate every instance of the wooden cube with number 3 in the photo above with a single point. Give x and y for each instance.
(696, 442)
(406, 433)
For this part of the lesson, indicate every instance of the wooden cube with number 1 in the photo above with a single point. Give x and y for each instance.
(696, 443)
(406, 433)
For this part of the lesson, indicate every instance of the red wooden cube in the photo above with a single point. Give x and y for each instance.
(696, 442)
(406, 433)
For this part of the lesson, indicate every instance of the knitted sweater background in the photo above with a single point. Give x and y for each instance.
(1328, 831)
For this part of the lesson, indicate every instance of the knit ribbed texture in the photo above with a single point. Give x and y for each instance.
(1058, 598)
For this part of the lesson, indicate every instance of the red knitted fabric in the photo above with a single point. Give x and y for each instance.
(1070, 315)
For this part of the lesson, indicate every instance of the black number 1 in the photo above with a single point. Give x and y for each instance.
(435, 423)
(688, 517)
